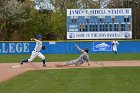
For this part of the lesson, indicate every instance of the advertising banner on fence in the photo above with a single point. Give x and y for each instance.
(69, 47)
(102, 46)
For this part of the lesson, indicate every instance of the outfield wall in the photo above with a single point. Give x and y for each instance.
(69, 47)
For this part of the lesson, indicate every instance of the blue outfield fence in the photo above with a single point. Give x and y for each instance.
(69, 47)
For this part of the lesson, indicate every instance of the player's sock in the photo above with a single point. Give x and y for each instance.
(26, 60)
(44, 61)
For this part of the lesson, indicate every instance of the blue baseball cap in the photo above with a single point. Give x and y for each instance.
(38, 36)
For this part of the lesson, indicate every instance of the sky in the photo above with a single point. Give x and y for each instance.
(44, 5)
(47, 5)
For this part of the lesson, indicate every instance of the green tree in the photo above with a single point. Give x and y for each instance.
(57, 22)
(39, 23)
(13, 14)
(115, 4)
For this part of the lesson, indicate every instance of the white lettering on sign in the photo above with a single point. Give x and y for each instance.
(4, 49)
(99, 12)
(98, 35)
(73, 29)
(14, 47)
(11, 47)
(72, 26)
(26, 47)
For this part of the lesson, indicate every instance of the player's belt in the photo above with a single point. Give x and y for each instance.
(36, 51)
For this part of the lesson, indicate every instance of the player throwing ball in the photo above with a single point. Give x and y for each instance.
(36, 52)
(84, 57)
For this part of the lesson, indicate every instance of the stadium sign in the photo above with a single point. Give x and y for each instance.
(99, 23)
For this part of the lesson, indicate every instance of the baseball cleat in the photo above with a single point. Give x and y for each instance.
(21, 63)
(44, 65)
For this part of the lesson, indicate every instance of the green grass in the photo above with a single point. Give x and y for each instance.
(90, 80)
(67, 57)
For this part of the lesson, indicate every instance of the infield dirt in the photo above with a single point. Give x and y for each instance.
(9, 70)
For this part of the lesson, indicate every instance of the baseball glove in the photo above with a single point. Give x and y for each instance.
(43, 47)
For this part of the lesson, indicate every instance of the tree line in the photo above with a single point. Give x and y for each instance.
(23, 19)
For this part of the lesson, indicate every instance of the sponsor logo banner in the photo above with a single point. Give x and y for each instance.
(99, 35)
(102, 46)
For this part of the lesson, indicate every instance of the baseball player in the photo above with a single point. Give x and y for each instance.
(114, 46)
(84, 57)
(36, 52)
